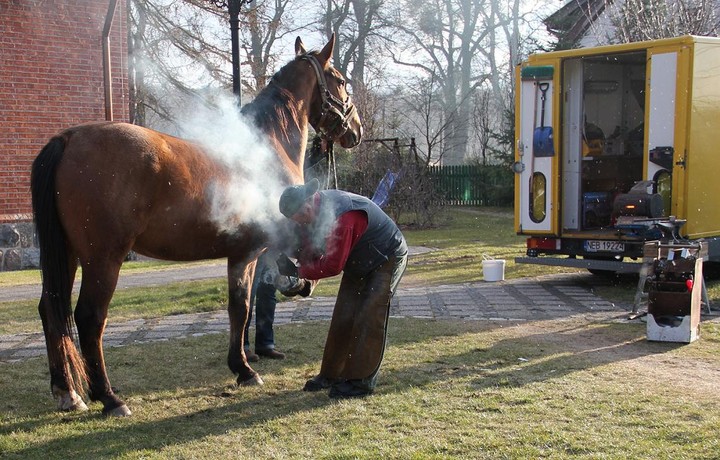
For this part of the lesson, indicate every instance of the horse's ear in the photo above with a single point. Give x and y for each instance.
(299, 47)
(326, 54)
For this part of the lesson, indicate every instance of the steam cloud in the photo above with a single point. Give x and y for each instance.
(254, 188)
(253, 191)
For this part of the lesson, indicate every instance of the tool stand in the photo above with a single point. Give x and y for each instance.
(675, 290)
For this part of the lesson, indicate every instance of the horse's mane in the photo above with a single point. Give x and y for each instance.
(275, 108)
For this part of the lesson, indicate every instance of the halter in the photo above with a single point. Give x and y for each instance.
(335, 113)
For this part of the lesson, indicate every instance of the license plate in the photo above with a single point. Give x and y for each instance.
(604, 246)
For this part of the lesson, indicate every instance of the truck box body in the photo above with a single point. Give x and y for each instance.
(613, 140)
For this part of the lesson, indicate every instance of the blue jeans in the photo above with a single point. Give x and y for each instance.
(262, 296)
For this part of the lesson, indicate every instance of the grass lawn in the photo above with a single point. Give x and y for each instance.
(567, 388)
(459, 243)
(448, 389)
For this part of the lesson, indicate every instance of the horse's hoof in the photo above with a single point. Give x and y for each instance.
(71, 402)
(120, 411)
(252, 381)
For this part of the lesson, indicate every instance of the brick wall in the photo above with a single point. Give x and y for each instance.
(51, 77)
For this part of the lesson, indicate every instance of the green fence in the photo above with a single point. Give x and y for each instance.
(474, 185)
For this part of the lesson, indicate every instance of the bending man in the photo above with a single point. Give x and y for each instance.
(342, 231)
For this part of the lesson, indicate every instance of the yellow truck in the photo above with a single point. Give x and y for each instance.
(616, 146)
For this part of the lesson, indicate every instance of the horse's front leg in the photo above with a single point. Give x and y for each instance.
(240, 277)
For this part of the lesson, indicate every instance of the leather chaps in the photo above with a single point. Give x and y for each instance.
(356, 340)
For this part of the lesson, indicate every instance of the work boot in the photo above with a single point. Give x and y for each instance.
(251, 357)
(349, 389)
(270, 353)
(317, 383)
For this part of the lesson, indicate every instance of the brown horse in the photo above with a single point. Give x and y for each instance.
(102, 189)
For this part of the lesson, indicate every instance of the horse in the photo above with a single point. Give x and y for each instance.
(102, 189)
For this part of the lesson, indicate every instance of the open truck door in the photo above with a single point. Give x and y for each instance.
(662, 142)
(536, 155)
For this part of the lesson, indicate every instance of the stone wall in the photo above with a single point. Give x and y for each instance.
(18, 246)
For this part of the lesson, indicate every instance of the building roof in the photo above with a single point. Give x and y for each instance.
(571, 22)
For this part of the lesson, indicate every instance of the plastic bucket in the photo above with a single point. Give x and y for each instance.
(493, 269)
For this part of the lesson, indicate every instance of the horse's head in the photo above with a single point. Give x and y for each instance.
(332, 112)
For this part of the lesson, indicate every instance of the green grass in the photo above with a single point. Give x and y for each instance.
(463, 239)
(20, 277)
(447, 389)
(129, 304)
(460, 242)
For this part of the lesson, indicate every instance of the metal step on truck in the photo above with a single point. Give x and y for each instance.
(616, 146)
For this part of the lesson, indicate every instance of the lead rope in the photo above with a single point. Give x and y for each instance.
(325, 157)
(332, 168)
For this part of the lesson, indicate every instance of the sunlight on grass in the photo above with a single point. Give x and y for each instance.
(447, 389)
(32, 276)
(458, 243)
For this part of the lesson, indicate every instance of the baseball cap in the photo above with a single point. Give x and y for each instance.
(293, 197)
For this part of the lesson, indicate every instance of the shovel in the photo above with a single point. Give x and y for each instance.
(543, 135)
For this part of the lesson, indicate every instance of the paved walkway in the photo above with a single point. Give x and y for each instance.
(547, 297)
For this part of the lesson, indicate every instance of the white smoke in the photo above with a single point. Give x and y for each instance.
(254, 189)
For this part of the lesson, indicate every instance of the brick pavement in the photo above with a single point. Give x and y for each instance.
(546, 297)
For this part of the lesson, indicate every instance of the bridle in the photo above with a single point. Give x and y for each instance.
(335, 113)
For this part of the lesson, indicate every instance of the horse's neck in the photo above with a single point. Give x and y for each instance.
(286, 128)
(292, 147)
(292, 143)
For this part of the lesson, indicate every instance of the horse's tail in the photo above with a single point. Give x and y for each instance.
(55, 307)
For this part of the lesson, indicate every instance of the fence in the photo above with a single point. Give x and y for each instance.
(474, 185)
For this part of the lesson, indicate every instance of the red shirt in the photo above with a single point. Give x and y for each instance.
(348, 229)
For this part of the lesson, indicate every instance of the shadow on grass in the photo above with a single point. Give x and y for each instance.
(421, 354)
(195, 368)
(116, 437)
(525, 360)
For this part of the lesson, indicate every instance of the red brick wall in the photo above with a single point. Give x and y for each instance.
(51, 77)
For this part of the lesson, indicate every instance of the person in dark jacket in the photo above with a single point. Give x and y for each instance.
(342, 231)
(262, 296)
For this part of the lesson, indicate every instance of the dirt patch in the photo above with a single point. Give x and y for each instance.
(693, 369)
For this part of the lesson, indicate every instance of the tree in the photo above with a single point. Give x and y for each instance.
(482, 126)
(180, 57)
(442, 40)
(638, 20)
(264, 25)
(359, 26)
(463, 44)
(175, 54)
(520, 31)
(180, 53)
(419, 106)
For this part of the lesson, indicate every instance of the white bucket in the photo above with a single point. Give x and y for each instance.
(493, 270)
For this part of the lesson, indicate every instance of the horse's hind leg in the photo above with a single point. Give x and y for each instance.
(98, 285)
(66, 376)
